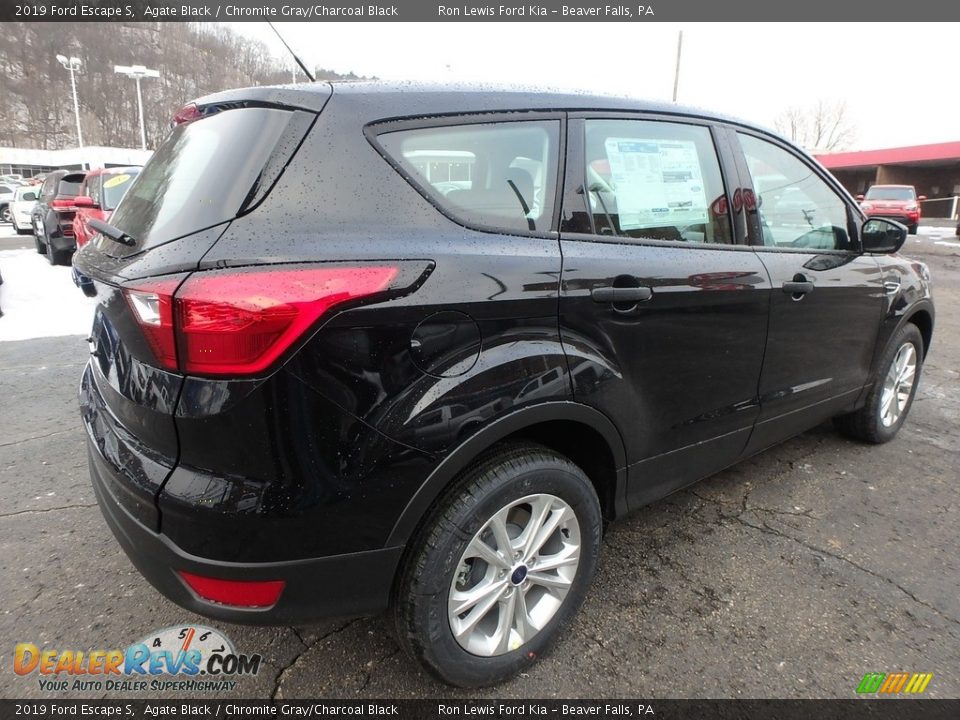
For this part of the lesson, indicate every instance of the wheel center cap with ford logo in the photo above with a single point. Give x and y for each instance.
(519, 574)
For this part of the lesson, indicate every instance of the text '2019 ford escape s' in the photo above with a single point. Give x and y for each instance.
(366, 347)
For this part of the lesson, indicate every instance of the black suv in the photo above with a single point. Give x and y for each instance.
(362, 347)
(53, 214)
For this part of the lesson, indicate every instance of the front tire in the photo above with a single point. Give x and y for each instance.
(5, 214)
(500, 567)
(891, 396)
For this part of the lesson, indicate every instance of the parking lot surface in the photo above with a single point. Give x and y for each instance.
(789, 575)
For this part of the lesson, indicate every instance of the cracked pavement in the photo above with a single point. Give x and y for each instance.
(790, 574)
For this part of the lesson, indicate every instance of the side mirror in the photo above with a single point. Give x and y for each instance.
(860, 197)
(85, 201)
(922, 198)
(882, 237)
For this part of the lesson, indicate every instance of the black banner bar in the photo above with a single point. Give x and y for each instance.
(902, 709)
(483, 11)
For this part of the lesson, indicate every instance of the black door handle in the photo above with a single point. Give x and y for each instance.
(798, 288)
(621, 294)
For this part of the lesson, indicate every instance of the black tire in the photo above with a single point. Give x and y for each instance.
(865, 424)
(23, 231)
(420, 602)
(912, 229)
(41, 245)
(54, 257)
(5, 214)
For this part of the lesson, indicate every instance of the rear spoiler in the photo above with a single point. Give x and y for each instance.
(311, 97)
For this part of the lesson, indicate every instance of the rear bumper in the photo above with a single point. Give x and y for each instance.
(337, 586)
(62, 243)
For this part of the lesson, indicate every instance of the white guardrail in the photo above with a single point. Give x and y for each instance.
(954, 203)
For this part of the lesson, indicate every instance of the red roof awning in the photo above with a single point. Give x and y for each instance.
(892, 156)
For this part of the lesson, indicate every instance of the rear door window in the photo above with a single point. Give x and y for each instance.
(49, 185)
(492, 176)
(204, 173)
(655, 180)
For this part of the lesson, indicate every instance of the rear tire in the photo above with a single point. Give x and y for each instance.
(5, 214)
(891, 396)
(41, 245)
(912, 229)
(546, 513)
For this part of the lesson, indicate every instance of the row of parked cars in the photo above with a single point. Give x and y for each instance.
(58, 211)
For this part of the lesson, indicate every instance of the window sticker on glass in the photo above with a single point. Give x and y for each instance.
(656, 182)
(116, 180)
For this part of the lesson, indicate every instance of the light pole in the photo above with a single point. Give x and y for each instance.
(138, 72)
(73, 64)
(676, 72)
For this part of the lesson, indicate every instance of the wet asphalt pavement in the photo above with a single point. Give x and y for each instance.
(789, 575)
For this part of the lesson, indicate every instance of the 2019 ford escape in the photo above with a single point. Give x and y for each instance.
(366, 347)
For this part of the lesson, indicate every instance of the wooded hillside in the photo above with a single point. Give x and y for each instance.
(36, 106)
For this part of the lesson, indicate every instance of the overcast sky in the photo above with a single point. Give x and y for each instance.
(899, 81)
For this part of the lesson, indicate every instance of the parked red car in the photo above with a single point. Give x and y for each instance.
(894, 202)
(100, 193)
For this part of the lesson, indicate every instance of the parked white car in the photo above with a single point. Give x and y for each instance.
(7, 190)
(24, 198)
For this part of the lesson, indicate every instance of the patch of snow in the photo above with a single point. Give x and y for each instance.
(934, 233)
(39, 300)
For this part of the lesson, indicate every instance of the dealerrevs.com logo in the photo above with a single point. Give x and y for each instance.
(181, 658)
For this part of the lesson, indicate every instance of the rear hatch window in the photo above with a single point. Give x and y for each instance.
(69, 186)
(205, 173)
(115, 187)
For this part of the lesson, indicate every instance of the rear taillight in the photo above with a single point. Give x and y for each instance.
(152, 305)
(239, 322)
(63, 204)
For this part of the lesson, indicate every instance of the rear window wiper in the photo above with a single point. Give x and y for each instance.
(115, 234)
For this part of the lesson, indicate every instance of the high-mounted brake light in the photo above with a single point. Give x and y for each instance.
(188, 113)
(239, 322)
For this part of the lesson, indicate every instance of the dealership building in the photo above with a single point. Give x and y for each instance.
(29, 162)
(934, 170)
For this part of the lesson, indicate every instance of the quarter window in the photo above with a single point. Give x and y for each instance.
(495, 175)
(797, 208)
(655, 180)
(93, 189)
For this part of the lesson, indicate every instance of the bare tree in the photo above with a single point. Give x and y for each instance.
(193, 59)
(821, 126)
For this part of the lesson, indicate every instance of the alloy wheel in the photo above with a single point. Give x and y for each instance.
(898, 385)
(514, 575)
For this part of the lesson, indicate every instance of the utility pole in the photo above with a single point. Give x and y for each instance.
(138, 72)
(676, 74)
(73, 64)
